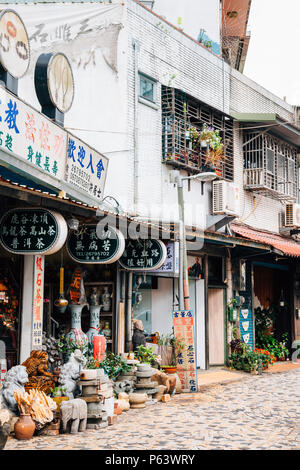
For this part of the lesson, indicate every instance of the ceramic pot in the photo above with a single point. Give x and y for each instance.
(169, 369)
(24, 427)
(117, 410)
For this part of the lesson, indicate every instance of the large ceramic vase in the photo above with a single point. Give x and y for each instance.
(94, 326)
(76, 333)
(24, 427)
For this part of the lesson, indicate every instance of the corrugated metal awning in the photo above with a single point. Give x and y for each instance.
(286, 246)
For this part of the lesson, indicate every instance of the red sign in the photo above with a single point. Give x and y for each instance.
(183, 322)
(38, 298)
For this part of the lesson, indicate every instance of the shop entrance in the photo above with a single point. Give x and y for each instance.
(272, 299)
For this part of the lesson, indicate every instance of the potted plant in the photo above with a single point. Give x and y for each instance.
(59, 395)
(147, 356)
(114, 366)
(175, 347)
(210, 139)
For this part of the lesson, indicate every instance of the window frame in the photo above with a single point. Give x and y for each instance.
(153, 82)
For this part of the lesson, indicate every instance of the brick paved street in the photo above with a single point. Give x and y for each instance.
(260, 412)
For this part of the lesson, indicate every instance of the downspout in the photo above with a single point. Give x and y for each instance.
(129, 314)
(136, 49)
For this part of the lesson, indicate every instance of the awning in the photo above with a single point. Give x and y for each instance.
(286, 246)
(277, 126)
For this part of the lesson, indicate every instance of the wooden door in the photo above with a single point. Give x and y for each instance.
(216, 326)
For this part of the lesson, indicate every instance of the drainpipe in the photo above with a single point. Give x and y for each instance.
(229, 295)
(136, 49)
(129, 314)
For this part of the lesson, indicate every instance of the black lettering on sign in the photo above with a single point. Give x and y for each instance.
(22, 50)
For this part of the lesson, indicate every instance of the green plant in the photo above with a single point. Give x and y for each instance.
(114, 366)
(58, 391)
(92, 363)
(244, 358)
(146, 355)
(275, 347)
(176, 343)
(68, 346)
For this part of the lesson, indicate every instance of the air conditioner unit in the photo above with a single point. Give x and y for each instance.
(226, 198)
(292, 215)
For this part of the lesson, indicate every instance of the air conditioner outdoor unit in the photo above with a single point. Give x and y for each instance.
(292, 215)
(226, 198)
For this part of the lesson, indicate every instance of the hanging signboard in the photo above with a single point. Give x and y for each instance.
(183, 322)
(31, 136)
(86, 168)
(14, 44)
(171, 265)
(32, 231)
(143, 255)
(246, 326)
(38, 299)
(94, 244)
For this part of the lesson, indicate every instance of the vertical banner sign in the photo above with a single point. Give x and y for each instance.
(38, 301)
(183, 322)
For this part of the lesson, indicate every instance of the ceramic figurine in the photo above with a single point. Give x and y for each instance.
(15, 379)
(106, 300)
(76, 412)
(106, 330)
(70, 374)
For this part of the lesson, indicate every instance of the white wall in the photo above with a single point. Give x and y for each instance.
(162, 302)
(195, 14)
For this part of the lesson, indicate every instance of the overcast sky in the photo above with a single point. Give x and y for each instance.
(273, 58)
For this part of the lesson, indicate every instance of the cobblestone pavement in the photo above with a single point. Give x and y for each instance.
(261, 412)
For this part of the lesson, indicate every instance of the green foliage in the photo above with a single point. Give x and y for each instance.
(276, 348)
(146, 355)
(58, 391)
(68, 346)
(114, 366)
(245, 359)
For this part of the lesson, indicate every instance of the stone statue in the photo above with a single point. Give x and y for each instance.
(4, 427)
(15, 379)
(125, 386)
(70, 374)
(76, 412)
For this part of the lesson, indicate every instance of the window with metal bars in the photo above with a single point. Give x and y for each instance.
(181, 113)
(270, 166)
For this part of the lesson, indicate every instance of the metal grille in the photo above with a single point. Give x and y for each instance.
(180, 112)
(270, 166)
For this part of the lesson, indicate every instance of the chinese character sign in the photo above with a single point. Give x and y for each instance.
(86, 169)
(143, 255)
(96, 244)
(32, 231)
(183, 322)
(31, 136)
(171, 265)
(38, 300)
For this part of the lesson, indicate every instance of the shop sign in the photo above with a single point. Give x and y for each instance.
(143, 255)
(31, 136)
(95, 244)
(14, 44)
(246, 326)
(171, 265)
(86, 169)
(38, 300)
(32, 231)
(183, 322)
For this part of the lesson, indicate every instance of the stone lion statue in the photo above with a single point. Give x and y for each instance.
(70, 373)
(15, 379)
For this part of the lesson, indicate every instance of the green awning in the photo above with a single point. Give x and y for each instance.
(278, 127)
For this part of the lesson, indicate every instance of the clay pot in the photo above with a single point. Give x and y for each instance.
(117, 410)
(24, 427)
(169, 369)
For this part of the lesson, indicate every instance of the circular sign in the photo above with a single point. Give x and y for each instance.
(96, 244)
(143, 255)
(60, 82)
(33, 231)
(14, 44)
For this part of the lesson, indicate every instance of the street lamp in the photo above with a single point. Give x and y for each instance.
(184, 297)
